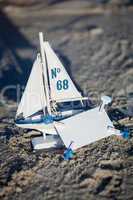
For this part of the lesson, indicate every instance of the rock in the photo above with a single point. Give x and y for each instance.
(96, 31)
(98, 181)
(89, 182)
(120, 2)
(19, 2)
(116, 2)
(111, 164)
(18, 189)
(102, 174)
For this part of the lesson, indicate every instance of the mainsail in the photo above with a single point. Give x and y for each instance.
(33, 98)
(61, 85)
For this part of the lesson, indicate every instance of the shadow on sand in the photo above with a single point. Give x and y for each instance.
(14, 69)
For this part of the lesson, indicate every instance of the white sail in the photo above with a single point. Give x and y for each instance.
(61, 86)
(85, 128)
(33, 98)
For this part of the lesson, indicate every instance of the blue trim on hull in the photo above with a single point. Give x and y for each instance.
(45, 119)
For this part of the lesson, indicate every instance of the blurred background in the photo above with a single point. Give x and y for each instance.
(93, 38)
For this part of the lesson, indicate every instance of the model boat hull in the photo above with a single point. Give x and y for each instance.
(45, 124)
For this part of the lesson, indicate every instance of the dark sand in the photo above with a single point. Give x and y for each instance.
(97, 51)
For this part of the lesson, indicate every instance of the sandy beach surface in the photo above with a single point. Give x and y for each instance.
(95, 44)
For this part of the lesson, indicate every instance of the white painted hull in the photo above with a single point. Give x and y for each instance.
(44, 128)
(47, 128)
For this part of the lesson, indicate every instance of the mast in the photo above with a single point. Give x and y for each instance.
(44, 96)
(43, 57)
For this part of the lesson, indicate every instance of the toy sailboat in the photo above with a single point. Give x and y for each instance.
(52, 105)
